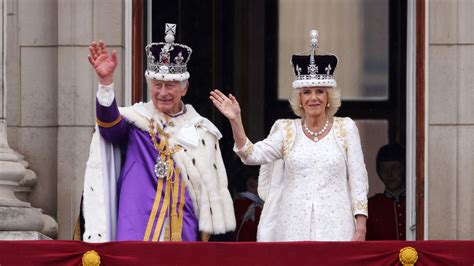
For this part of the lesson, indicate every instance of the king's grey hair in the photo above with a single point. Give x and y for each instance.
(182, 83)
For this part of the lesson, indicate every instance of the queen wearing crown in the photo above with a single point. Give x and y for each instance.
(155, 171)
(312, 176)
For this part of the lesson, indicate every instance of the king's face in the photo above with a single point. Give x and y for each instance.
(166, 95)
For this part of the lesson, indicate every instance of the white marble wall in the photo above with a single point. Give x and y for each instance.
(80, 22)
(51, 93)
(451, 120)
(2, 89)
(31, 72)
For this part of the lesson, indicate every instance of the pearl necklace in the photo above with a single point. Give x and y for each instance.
(316, 134)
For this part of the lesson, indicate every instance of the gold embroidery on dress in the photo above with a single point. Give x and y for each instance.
(249, 150)
(289, 136)
(341, 132)
(360, 206)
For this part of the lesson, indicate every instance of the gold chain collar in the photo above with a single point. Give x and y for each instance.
(166, 150)
(164, 161)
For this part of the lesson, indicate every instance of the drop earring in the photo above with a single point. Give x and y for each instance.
(328, 105)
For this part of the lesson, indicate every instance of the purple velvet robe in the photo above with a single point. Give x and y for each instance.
(137, 183)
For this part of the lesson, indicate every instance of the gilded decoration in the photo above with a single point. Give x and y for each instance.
(91, 258)
(408, 256)
(108, 124)
(289, 136)
(341, 132)
(165, 169)
(248, 149)
(360, 206)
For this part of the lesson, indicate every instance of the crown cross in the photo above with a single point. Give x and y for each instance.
(170, 29)
(328, 69)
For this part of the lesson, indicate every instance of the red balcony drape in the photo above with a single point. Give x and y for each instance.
(213, 253)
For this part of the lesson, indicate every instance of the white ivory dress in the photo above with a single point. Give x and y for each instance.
(324, 183)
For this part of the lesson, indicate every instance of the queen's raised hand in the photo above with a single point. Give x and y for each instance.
(228, 106)
(103, 63)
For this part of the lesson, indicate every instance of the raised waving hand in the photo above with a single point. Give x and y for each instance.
(103, 63)
(230, 108)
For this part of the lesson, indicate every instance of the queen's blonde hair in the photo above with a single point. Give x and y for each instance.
(334, 101)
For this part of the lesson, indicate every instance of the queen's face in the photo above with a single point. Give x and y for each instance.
(166, 95)
(314, 100)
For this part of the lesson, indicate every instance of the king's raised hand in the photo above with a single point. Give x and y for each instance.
(103, 63)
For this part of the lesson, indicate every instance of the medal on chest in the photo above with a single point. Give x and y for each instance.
(161, 168)
(164, 162)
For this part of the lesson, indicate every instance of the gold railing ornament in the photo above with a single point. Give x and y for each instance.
(408, 256)
(91, 258)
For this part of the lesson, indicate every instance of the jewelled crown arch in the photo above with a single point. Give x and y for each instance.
(168, 60)
(314, 70)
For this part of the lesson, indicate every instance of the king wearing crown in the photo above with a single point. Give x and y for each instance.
(155, 170)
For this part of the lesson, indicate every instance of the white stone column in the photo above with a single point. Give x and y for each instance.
(18, 219)
(11, 171)
(16, 215)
